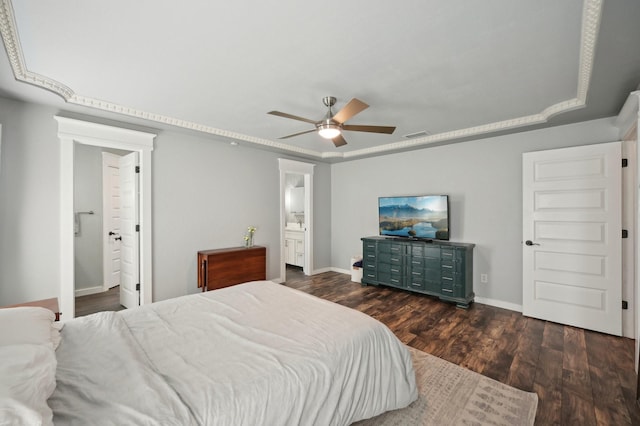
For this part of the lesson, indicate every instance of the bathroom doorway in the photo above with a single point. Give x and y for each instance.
(296, 216)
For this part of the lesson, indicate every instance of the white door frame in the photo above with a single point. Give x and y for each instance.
(70, 132)
(297, 167)
(628, 124)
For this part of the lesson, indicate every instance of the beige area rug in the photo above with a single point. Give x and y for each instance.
(452, 395)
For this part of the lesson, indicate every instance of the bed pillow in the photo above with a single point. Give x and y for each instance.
(27, 380)
(28, 324)
(14, 412)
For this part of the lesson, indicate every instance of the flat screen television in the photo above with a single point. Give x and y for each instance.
(424, 216)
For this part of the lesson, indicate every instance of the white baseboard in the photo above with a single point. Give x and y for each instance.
(90, 290)
(499, 304)
(333, 269)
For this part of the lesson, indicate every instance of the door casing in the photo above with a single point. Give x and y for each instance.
(71, 131)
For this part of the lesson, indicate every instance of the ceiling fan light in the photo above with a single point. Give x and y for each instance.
(328, 131)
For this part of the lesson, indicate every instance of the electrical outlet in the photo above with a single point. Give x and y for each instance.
(484, 278)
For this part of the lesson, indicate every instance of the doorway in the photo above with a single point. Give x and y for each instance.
(295, 223)
(97, 229)
(296, 216)
(73, 133)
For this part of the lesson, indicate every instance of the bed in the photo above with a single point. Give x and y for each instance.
(255, 353)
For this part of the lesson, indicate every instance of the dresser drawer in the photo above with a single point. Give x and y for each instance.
(452, 253)
(396, 280)
(416, 284)
(369, 246)
(369, 255)
(454, 277)
(370, 274)
(416, 274)
(369, 264)
(447, 254)
(395, 269)
(452, 265)
(398, 249)
(416, 262)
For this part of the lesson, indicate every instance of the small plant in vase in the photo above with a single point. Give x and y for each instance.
(248, 237)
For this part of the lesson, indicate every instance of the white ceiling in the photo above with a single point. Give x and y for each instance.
(456, 69)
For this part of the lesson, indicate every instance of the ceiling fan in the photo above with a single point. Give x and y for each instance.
(331, 126)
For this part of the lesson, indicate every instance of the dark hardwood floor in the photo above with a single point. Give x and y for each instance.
(581, 377)
(92, 303)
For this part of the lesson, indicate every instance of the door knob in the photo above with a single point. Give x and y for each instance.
(111, 233)
(531, 243)
(118, 238)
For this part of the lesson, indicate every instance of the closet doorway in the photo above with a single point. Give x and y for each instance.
(97, 229)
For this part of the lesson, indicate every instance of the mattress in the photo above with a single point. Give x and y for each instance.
(255, 353)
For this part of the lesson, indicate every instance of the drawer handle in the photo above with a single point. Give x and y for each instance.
(394, 281)
(447, 278)
(447, 290)
(371, 255)
(416, 273)
(415, 262)
(395, 270)
(448, 266)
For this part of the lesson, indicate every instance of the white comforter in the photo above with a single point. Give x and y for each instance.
(253, 354)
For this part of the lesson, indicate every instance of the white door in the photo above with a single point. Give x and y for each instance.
(111, 226)
(572, 260)
(130, 244)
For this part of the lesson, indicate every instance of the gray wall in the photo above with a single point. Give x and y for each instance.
(205, 194)
(29, 203)
(483, 179)
(87, 195)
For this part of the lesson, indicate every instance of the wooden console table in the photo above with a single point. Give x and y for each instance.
(51, 304)
(230, 266)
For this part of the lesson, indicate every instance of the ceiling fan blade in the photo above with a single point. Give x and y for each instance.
(339, 141)
(298, 134)
(291, 116)
(354, 107)
(371, 129)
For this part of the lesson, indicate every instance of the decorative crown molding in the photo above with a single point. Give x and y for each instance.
(592, 11)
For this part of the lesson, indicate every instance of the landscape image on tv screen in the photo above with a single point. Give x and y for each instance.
(424, 216)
